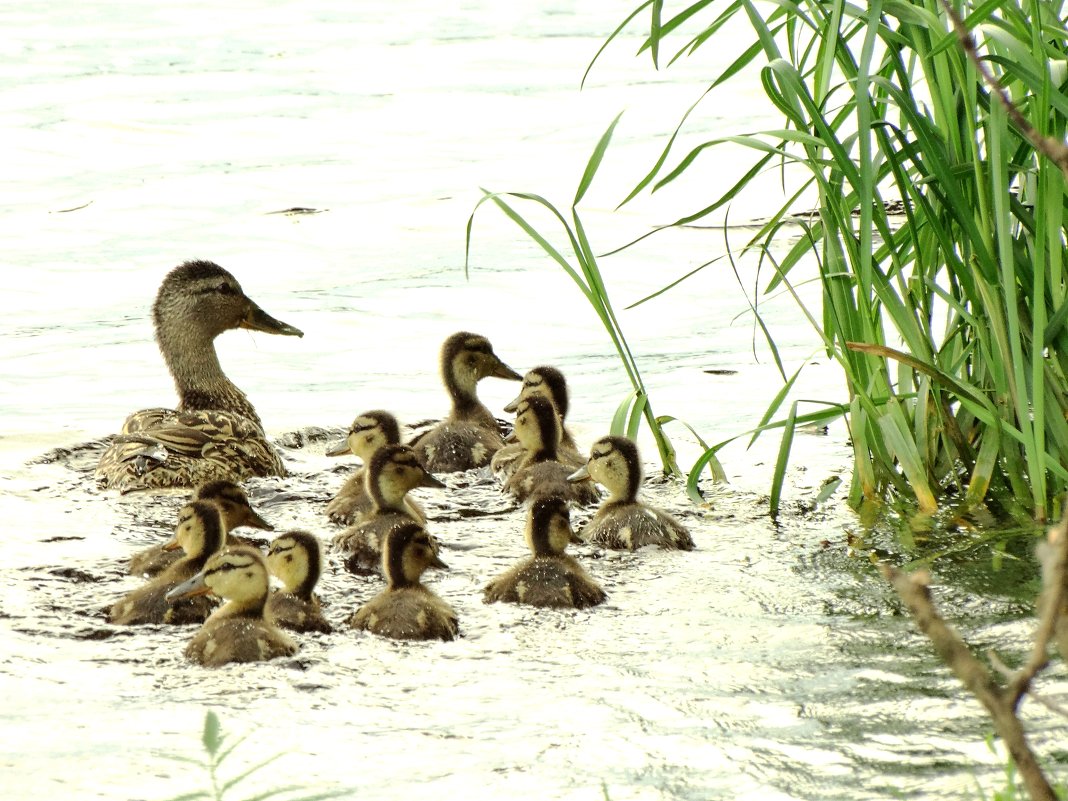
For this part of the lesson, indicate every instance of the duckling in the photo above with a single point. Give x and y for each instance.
(215, 432)
(550, 577)
(295, 558)
(369, 432)
(623, 522)
(236, 511)
(237, 631)
(470, 435)
(550, 382)
(540, 473)
(406, 610)
(200, 533)
(391, 473)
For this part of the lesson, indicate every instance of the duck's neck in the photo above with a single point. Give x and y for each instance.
(624, 490)
(198, 376)
(462, 391)
(388, 496)
(251, 608)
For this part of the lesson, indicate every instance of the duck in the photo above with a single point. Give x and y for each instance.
(295, 558)
(237, 631)
(550, 382)
(469, 436)
(236, 511)
(623, 522)
(200, 533)
(549, 577)
(369, 432)
(391, 473)
(406, 609)
(540, 472)
(215, 433)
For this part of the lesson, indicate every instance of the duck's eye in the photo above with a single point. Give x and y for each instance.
(225, 289)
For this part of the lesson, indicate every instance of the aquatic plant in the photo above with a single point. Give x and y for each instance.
(218, 749)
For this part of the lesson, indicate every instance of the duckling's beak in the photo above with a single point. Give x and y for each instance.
(188, 589)
(256, 319)
(172, 545)
(582, 474)
(575, 539)
(513, 405)
(435, 561)
(502, 370)
(253, 520)
(431, 481)
(340, 449)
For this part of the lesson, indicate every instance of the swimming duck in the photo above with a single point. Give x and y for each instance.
(237, 631)
(296, 559)
(406, 610)
(369, 432)
(235, 509)
(550, 577)
(215, 432)
(470, 435)
(199, 533)
(623, 522)
(391, 473)
(550, 382)
(540, 472)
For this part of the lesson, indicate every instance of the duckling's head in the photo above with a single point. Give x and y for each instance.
(468, 358)
(200, 531)
(406, 553)
(392, 471)
(547, 381)
(296, 559)
(613, 463)
(369, 432)
(549, 526)
(537, 426)
(238, 574)
(198, 300)
(233, 504)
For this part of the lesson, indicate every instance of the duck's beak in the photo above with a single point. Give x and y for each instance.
(188, 589)
(171, 545)
(432, 481)
(256, 319)
(502, 370)
(253, 520)
(340, 449)
(582, 474)
(435, 561)
(513, 405)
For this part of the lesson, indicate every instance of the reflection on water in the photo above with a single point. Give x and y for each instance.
(769, 663)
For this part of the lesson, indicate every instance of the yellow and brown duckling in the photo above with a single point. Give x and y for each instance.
(236, 511)
(540, 473)
(470, 435)
(391, 473)
(623, 522)
(407, 610)
(215, 432)
(199, 534)
(295, 558)
(238, 630)
(549, 577)
(549, 382)
(369, 432)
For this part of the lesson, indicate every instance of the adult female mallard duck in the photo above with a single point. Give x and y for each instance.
(391, 473)
(296, 560)
(215, 432)
(235, 509)
(540, 473)
(369, 432)
(470, 435)
(549, 577)
(237, 631)
(200, 533)
(623, 522)
(406, 610)
(549, 382)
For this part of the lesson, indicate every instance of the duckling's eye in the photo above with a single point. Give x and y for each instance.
(225, 289)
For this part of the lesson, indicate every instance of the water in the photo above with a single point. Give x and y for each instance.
(769, 663)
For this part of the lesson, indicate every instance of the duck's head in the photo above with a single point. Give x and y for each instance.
(233, 504)
(296, 559)
(468, 358)
(547, 381)
(392, 471)
(369, 432)
(537, 426)
(238, 574)
(615, 464)
(549, 526)
(200, 531)
(198, 300)
(406, 553)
